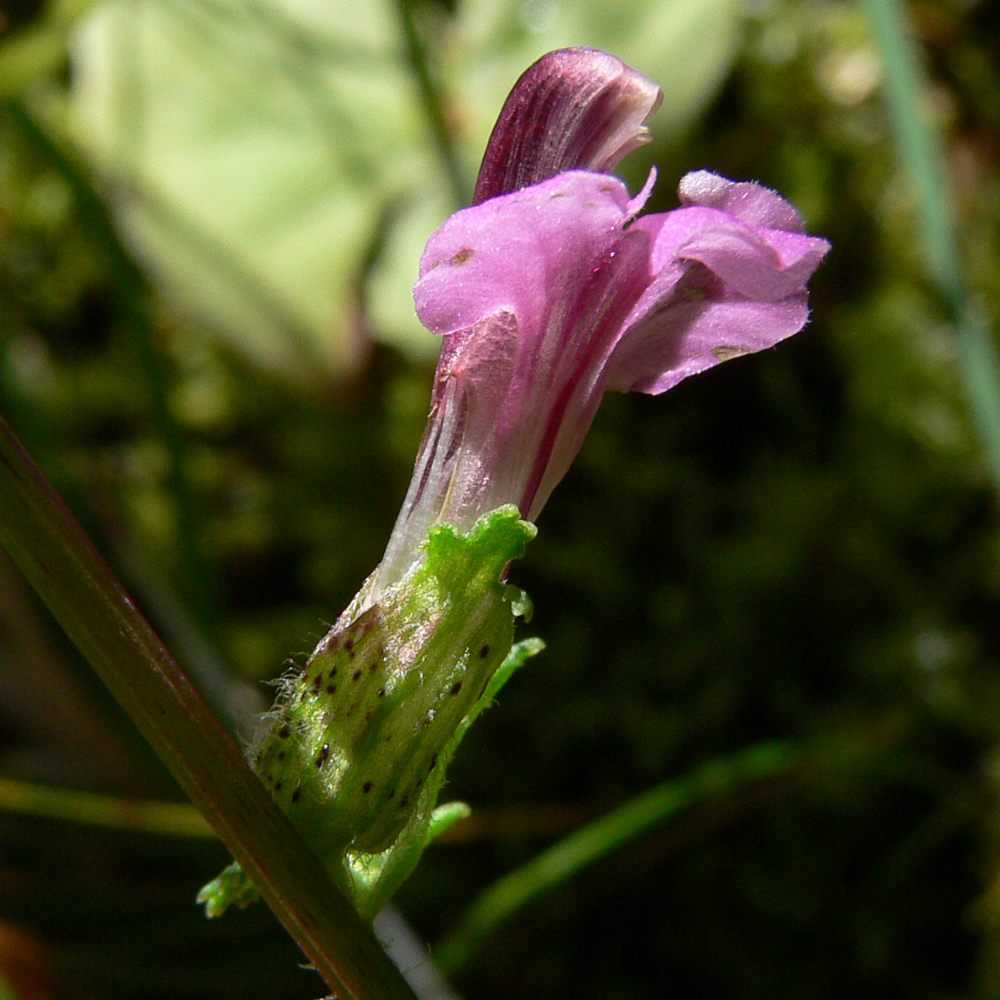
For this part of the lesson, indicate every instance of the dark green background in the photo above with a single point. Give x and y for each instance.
(802, 545)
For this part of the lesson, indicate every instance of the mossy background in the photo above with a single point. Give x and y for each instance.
(800, 546)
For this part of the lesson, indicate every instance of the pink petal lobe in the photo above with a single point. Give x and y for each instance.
(691, 337)
(720, 287)
(751, 203)
(515, 252)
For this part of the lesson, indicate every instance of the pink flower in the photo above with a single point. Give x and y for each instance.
(549, 292)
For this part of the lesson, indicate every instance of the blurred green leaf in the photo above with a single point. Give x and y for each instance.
(250, 149)
(38, 52)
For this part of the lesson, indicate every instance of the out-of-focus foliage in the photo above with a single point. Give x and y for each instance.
(271, 163)
(802, 546)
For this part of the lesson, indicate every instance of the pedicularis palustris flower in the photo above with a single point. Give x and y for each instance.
(549, 291)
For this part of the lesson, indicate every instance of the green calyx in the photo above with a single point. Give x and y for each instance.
(358, 741)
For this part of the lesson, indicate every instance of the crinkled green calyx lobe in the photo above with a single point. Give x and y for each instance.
(358, 740)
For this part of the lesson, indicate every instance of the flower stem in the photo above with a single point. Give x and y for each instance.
(62, 564)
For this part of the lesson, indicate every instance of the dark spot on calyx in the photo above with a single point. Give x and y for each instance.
(348, 644)
(381, 693)
(295, 796)
(484, 651)
(366, 787)
(455, 688)
(331, 689)
(323, 754)
(283, 733)
(357, 675)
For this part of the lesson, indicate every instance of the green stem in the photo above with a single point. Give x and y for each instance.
(920, 155)
(61, 563)
(433, 101)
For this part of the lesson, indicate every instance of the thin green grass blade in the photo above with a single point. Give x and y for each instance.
(921, 158)
(560, 862)
(168, 819)
(432, 99)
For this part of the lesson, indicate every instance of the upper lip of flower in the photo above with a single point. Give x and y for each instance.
(573, 109)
